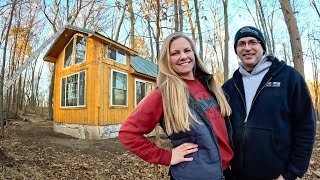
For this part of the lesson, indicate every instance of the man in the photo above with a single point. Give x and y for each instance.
(273, 118)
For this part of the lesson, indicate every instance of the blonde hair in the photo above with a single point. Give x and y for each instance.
(175, 93)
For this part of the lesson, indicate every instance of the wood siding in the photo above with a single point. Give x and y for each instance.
(78, 115)
(97, 109)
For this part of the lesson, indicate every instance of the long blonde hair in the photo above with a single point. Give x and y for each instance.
(175, 93)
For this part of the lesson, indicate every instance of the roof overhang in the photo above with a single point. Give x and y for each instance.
(60, 42)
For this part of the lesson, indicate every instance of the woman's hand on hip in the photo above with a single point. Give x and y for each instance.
(180, 151)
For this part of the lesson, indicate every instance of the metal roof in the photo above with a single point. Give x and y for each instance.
(143, 66)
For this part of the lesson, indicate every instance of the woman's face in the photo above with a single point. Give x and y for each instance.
(182, 58)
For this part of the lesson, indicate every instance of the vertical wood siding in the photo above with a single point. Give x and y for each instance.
(98, 109)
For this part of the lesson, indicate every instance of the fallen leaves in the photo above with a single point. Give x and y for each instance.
(34, 151)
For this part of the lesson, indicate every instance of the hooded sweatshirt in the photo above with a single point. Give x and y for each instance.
(251, 81)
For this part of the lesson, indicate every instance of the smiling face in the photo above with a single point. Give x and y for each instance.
(182, 58)
(250, 52)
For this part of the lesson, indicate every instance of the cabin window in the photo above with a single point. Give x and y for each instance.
(142, 88)
(75, 51)
(68, 54)
(73, 90)
(116, 55)
(80, 49)
(119, 86)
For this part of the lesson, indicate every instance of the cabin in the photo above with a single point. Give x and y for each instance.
(97, 83)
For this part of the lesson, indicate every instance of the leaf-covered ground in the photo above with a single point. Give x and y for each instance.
(32, 150)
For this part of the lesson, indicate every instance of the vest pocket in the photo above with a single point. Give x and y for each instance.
(208, 150)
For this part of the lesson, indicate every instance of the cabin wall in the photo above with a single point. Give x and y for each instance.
(78, 115)
(98, 119)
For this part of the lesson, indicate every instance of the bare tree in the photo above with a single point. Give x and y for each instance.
(132, 20)
(176, 16)
(180, 16)
(157, 28)
(285, 53)
(52, 14)
(12, 63)
(262, 19)
(147, 11)
(315, 7)
(295, 39)
(3, 69)
(199, 29)
(226, 41)
(121, 21)
(192, 27)
(37, 84)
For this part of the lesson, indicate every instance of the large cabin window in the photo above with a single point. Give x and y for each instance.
(116, 55)
(73, 90)
(75, 51)
(119, 86)
(142, 88)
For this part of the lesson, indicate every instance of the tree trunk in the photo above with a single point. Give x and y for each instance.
(22, 99)
(285, 53)
(120, 23)
(3, 69)
(158, 29)
(130, 8)
(151, 42)
(295, 39)
(180, 16)
(12, 68)
(226, 42)
(38, 81)
(176, 16)
(193, 30)
(199, 29)
(315, 7)
(32, 84)
(264, 25)
(50, 101)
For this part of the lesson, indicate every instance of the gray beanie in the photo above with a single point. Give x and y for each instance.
(249, 31)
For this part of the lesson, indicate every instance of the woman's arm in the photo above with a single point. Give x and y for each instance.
(140, 122)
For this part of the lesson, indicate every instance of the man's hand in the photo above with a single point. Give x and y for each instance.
(179, 152)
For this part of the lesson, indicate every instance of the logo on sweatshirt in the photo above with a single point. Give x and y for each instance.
(273, 84)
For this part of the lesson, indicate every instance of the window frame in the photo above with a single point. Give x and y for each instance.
(117, 53)
(135, 88)
(78, 90)
(111, 88)
(73, 40)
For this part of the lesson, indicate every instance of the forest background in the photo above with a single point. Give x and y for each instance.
(291, 29)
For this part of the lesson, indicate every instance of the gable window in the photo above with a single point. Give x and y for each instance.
(75, 51)
(114, 54)
(73, 90)
(142, 88)
(119, 86)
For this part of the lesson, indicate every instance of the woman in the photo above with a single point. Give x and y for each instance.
(190, 108)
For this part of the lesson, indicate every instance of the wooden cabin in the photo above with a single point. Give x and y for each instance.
(97, 83)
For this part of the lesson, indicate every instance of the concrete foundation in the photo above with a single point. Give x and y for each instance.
(88, 131)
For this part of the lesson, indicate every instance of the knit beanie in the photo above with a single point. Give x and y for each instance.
(249, 31)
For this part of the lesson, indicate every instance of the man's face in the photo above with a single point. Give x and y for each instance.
(250, 52)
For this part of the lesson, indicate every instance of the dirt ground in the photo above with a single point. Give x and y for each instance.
(32, 150)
